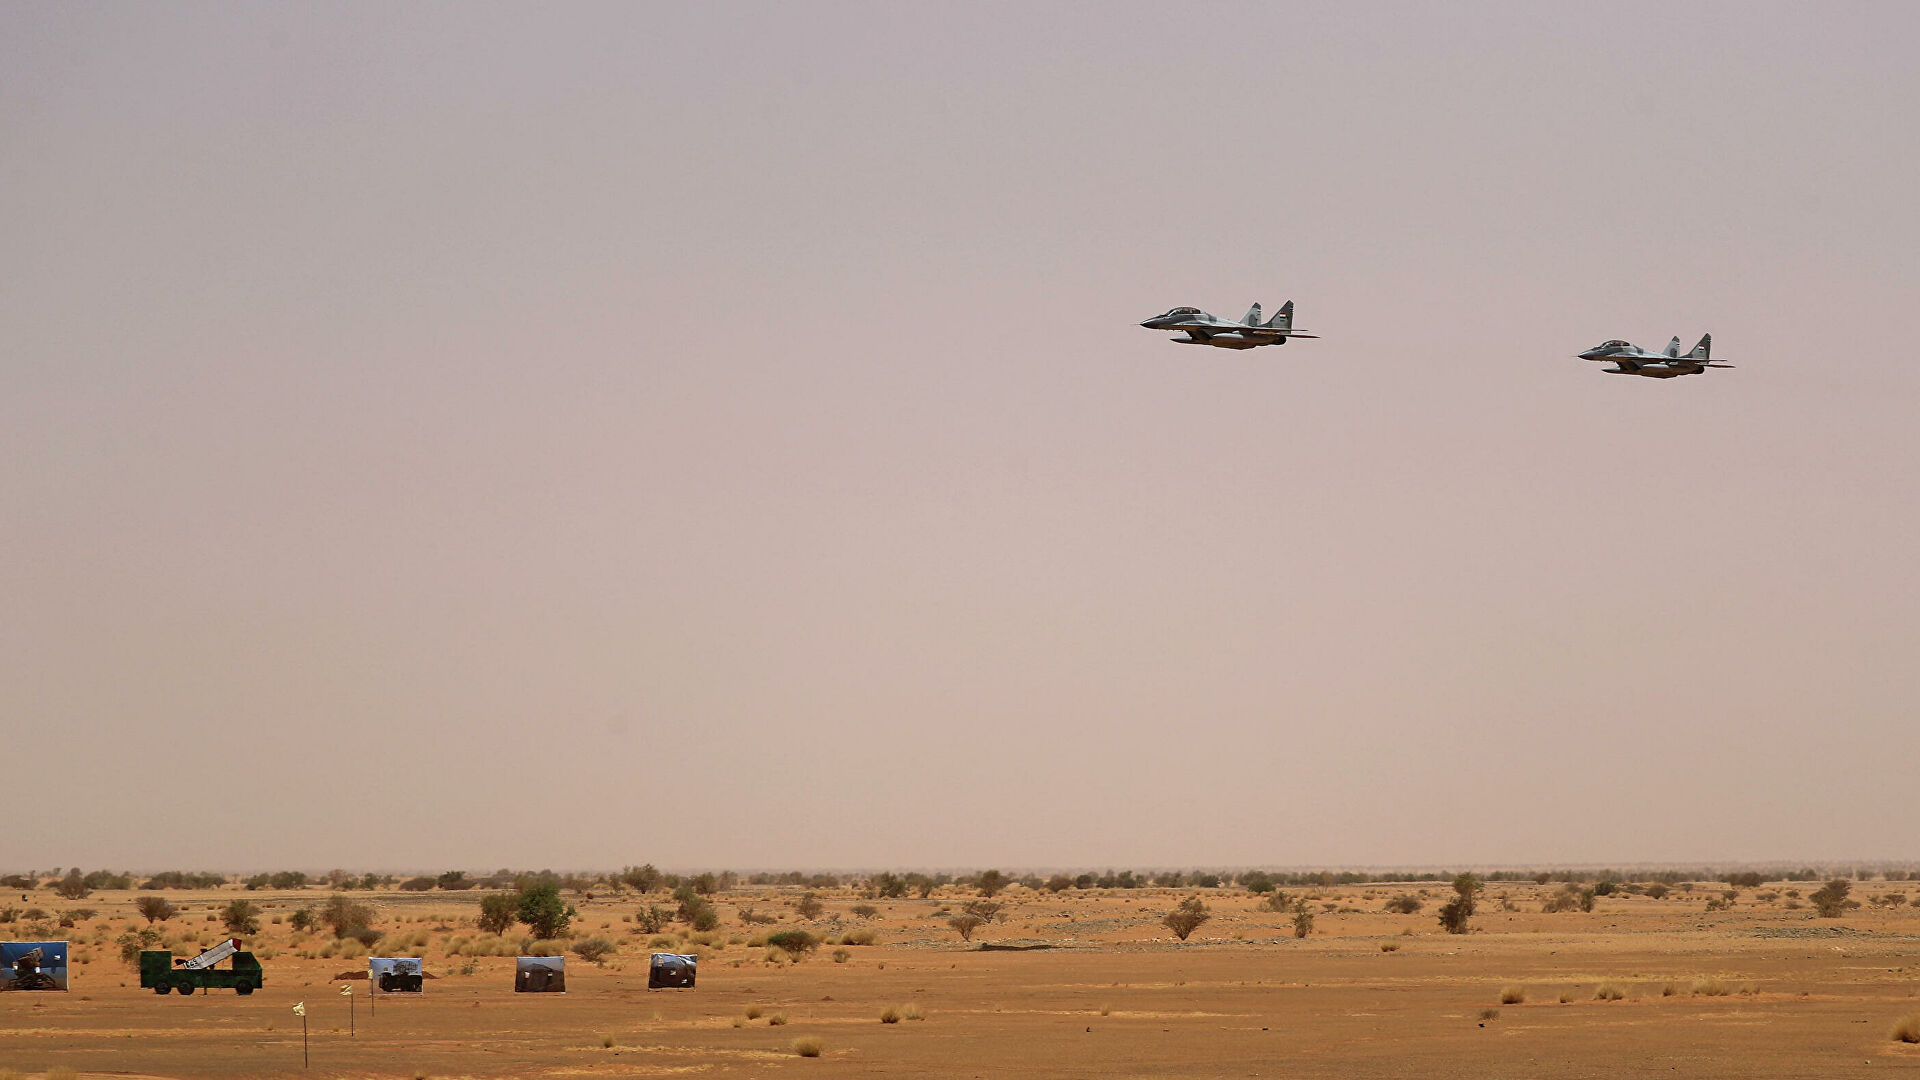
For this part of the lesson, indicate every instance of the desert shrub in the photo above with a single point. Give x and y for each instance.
(155, 908)
(1404, 904)
(808, 906)
(1454, 915)
(1513, 995)
(778, 1019)
(178, 879)
(991, 883)
(73, 886)
(661, 941)
(1711, 988)
(841, 956)
(650, 919)
(1669, 989)
(454, 881)
(134, 942)
(1608, 991)
(241, 917)
(1389, 946)
(890, 1015)
(1489, 1014)
(752, 916)
(754, 1012)
(858, 937)
(1830, 900)
(796, 942)
(965, 924)
(1658, 891)
(107, 879)
(887, 886)
(985, 910)
(594, 950)
(498, 912)
(1746, 879)
(539, 906)
(1186, 918)
(365, 936)
(912, 1012)
(418, 884)
(343, 916)
(865, 911)
(1907, 1029)
(1258, 882)
(809, 1047)
(303, 919)
(1468, 887)
(1302, 920)
(1059, 883)
(1567, 899)
(1278, 900)
(1566, 996)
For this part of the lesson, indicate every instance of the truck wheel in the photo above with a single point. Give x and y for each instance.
(186, 988)
(243, 989)
(162, 989)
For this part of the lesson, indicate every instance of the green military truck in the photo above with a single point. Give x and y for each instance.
(158, 974)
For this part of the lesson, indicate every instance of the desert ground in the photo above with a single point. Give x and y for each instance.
(1639, 986)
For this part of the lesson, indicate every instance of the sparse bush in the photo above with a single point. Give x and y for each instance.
(965, 924)
(418, 884)
(73, 886)
(1907, 1030)
(987, 910)
(498, 912)
(991, 883)
(841, 956)
(778, 1019)
(1658, 891)
(865, 911)
(754, 1011)
(912, 1012)
(1608, 991)
(1404, 904)
(858, 937)
(809, 1047)
(809, 906)
(594, 950)
(652, 920)
(1830, 900)
(539, 906)
(301, 920)
(1489, 1014)
(1571, 897)
(1188, 917)
(890, 1015)
(797, 943)
(1669, 989)
(241, 917)
(1302, 920)
(134, 942)
(1513, 995)
(1454, 915)
(1257, 882)
(155, 908)
(1389, 946)
(1711, 988)
(344, 916)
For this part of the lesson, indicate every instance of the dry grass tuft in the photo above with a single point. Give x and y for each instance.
(1489, 1014)
(1908, 1029)
(1513, 995)
(1712, 988)
(912, 1012)
(1608, 991)
(1389, 946)
(777, 1020)
(811, 1046)
(606, 1041)
(890, 1015)
(754, 1011)
(1566, 997)
(1669, 989)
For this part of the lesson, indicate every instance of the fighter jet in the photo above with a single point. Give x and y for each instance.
(1248, 333)
(1630, 359)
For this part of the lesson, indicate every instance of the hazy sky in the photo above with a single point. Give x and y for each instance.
(572, 435)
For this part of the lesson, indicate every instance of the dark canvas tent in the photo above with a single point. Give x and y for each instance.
(670, 969)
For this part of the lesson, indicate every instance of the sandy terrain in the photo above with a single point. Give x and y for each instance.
(1118, 996)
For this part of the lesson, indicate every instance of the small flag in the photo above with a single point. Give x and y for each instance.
(300, 1008)
(346, 991)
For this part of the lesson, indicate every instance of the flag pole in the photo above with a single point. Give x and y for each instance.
(300, 1009)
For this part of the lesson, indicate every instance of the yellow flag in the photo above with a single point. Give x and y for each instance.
(300, 1008)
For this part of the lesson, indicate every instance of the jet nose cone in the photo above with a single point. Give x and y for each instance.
(1590, 354)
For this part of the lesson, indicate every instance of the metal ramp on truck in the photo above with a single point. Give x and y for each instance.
(212, 956)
